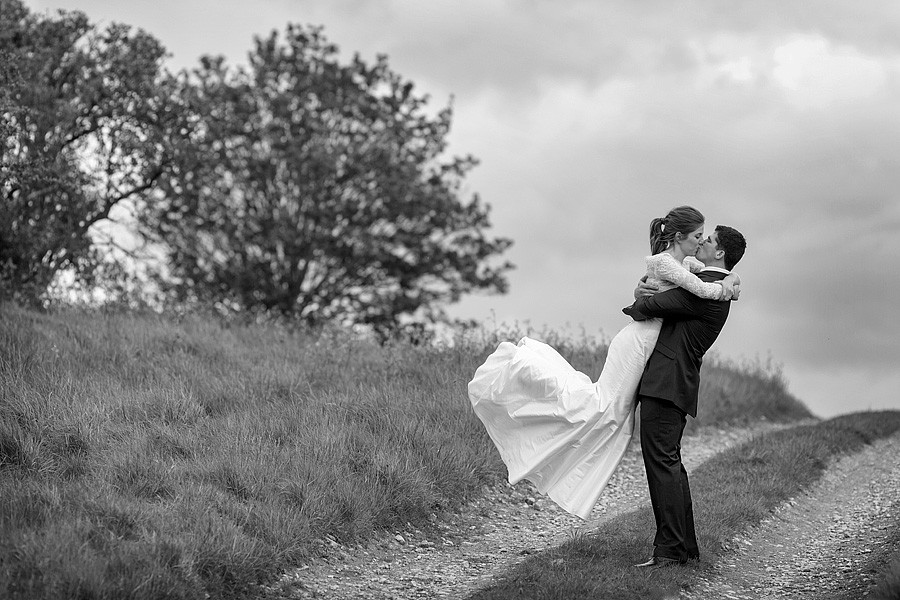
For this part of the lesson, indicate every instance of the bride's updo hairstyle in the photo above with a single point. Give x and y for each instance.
(682, 219)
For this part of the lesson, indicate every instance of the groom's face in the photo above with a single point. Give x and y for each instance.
(706, 253)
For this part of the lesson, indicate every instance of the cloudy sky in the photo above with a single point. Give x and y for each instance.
(778, 117)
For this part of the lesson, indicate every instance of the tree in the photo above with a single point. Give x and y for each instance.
(317, 189)
(83, 130)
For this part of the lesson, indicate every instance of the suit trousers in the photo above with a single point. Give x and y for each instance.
(662, 426)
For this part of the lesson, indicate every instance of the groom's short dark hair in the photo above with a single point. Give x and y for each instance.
(732, 242)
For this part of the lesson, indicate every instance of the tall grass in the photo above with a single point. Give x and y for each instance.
(146, 456)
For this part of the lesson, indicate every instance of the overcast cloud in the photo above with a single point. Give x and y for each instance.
(591, 118)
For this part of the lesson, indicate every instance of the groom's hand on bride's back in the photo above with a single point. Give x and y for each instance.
(645, 289)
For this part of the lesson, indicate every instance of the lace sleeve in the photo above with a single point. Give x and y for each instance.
(665, 267)
(693, 265)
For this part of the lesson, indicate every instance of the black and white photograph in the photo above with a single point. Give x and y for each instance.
(432, 299)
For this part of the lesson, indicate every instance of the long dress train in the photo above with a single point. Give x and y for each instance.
(554, 426)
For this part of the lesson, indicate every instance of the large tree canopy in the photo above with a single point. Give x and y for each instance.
(83, 114)
(318, 189)
(298, 184)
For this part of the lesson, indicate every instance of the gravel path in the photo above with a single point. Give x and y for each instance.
(483, 541)
(822, 545)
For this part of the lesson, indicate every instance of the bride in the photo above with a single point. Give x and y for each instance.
(554, 426)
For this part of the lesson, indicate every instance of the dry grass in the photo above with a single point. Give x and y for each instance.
(144, 456)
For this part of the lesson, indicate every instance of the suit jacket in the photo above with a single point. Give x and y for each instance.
(690, 326)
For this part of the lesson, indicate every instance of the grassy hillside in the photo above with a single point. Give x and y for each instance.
(144, 456)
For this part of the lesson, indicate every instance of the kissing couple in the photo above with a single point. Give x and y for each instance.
(567, 434)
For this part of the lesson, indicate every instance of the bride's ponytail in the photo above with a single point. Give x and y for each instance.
(682, 219)
(657, 230)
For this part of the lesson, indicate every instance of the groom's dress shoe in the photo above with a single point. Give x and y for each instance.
(658, 561)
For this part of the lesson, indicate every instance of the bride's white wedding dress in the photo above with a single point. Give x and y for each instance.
(554, 426)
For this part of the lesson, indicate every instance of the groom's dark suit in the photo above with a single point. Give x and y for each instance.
(668, 393)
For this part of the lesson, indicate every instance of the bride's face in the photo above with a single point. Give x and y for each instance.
(691, 242)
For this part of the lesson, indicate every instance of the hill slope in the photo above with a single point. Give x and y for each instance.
(151, 455)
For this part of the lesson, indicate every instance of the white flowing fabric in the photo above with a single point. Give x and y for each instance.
(554, 426)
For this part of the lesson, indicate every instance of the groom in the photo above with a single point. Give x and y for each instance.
(669, 387)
